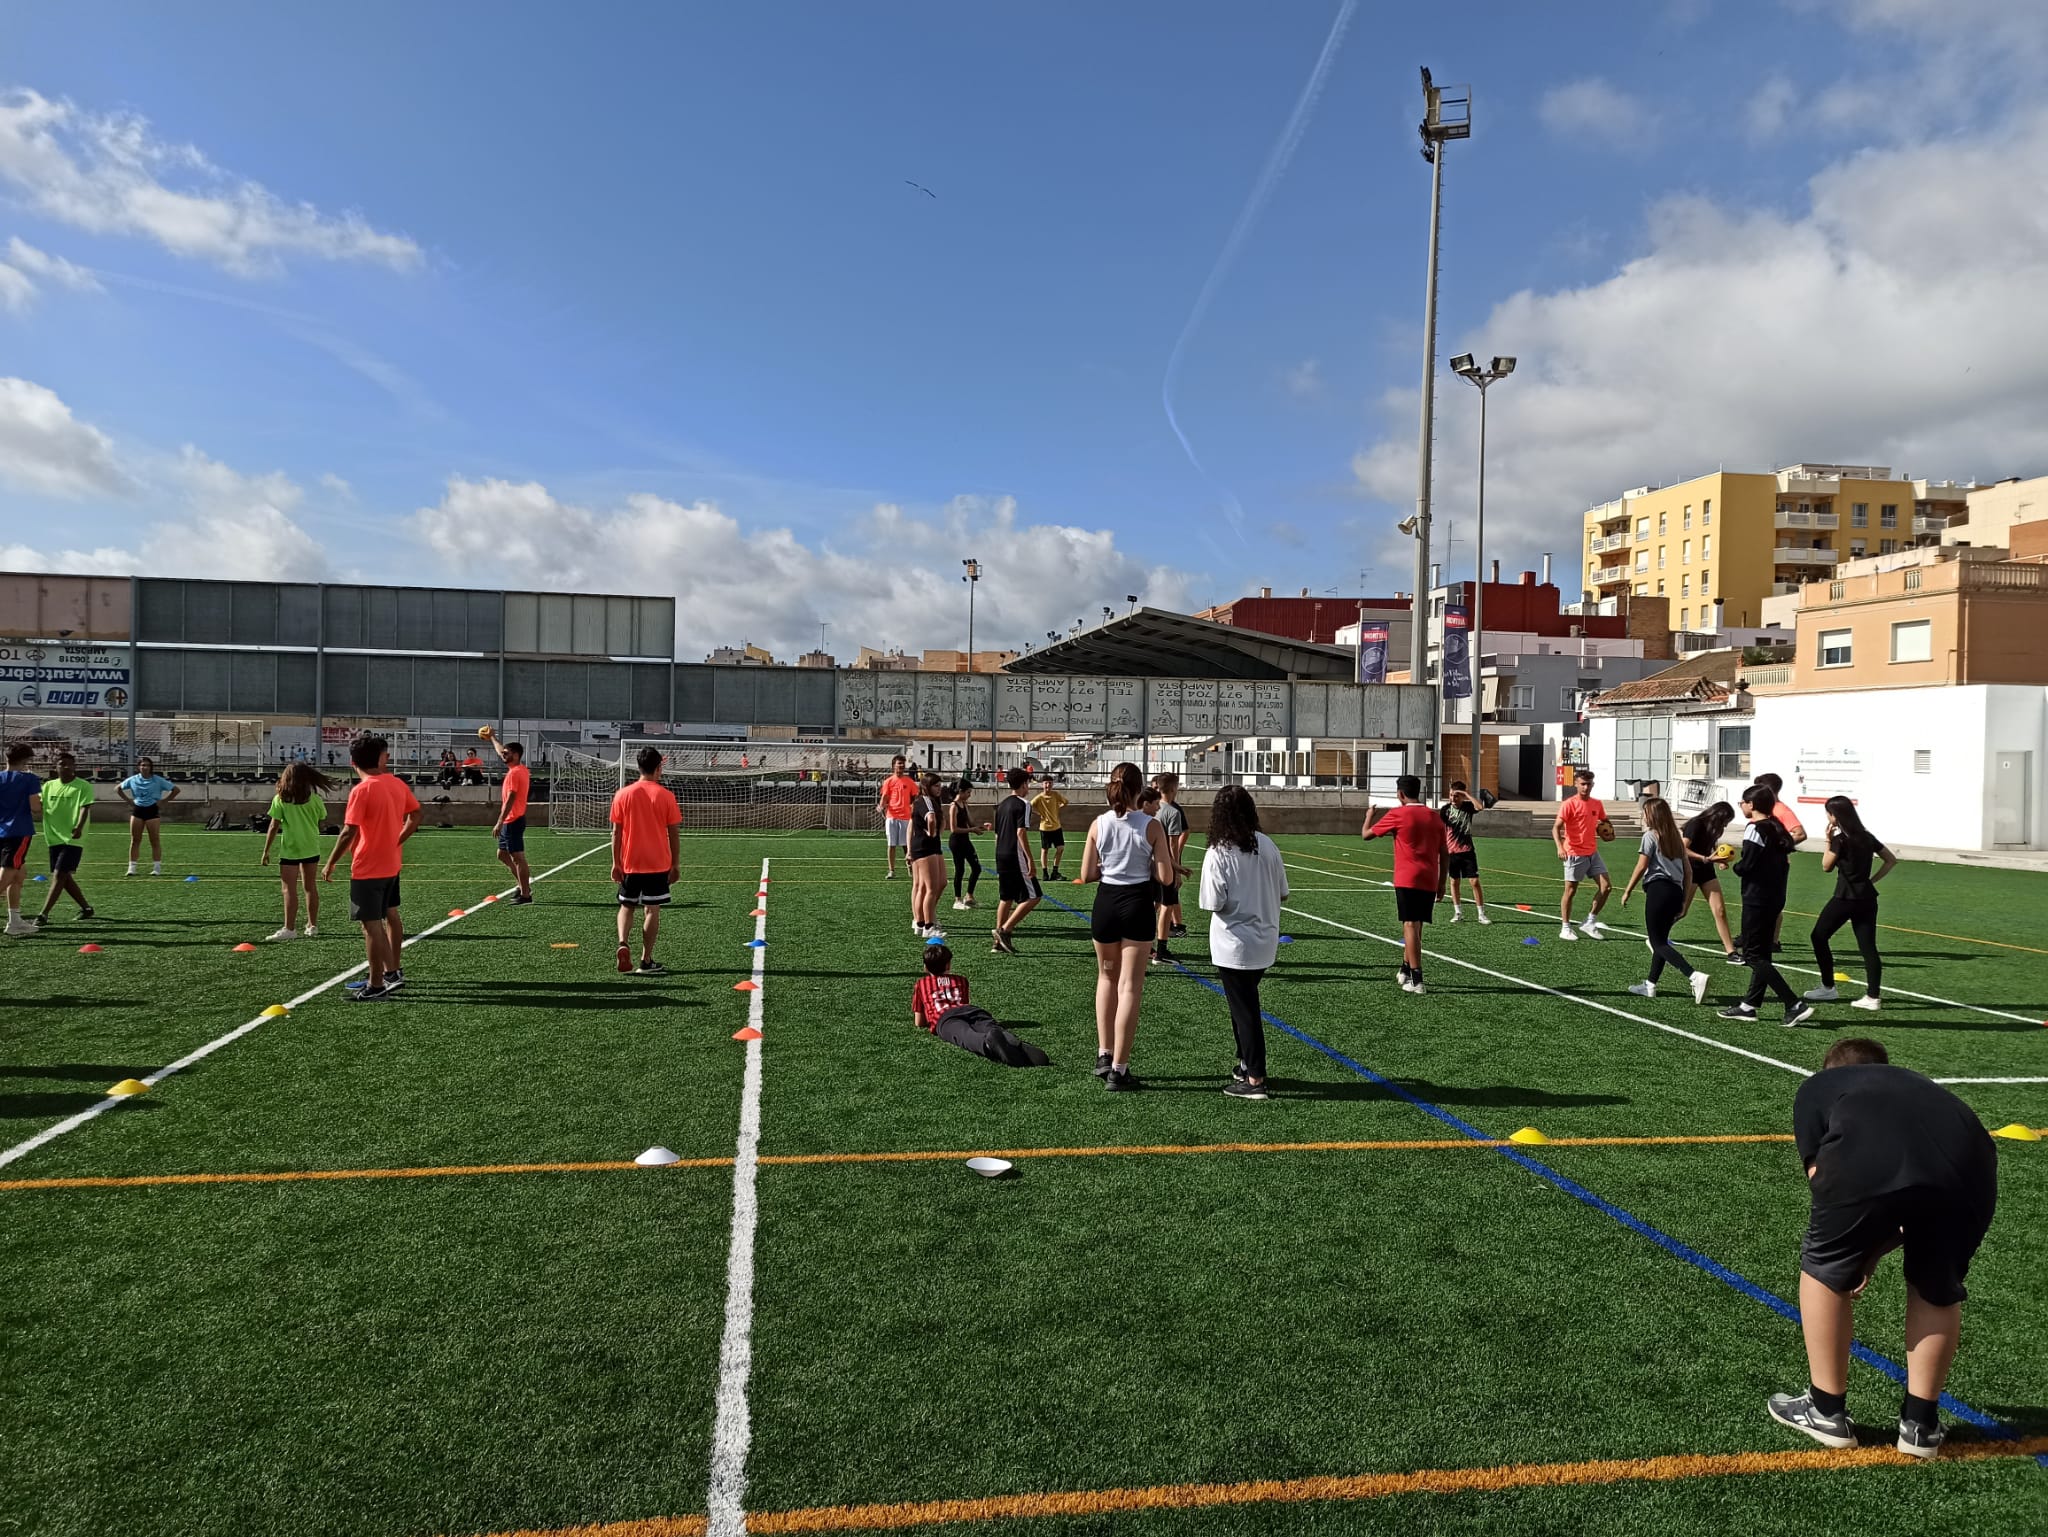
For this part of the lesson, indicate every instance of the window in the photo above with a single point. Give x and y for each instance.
(1732, 757)
(1642, 560)
(1887, 546)
(1685, 586)
(1705, 578)
(1642, 589)
(1706, 546)
(1660, 556)
(1568, 700)
(1685, 553)
(1913, 580)
(1642, 528)
(1688, 515)
(1888, 515)
(1835, 650)
(1522, 696)
(1663, 524)
(1913, 641)
(1707, 513)
(1684, 615)
(1859, 514)
(1660, 586)
(1642, 748)
(1923, 761)
(1855, 549)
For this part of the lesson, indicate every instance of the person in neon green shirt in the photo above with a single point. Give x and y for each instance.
(296, 812)
(66, 801)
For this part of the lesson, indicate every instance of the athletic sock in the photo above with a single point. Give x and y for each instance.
(1919, 1411)
(1119, 1067)
(1827, 1403)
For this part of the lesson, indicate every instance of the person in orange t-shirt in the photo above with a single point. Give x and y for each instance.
(646, 857)
(1579, 830)
(382, 813)
(511, 824)
(897, 798)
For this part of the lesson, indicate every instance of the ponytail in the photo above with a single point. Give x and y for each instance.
(1126, 784)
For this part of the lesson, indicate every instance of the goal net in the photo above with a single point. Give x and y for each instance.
(730, 786)
(185, 747)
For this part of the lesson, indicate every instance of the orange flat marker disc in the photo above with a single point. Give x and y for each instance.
(88, 949)
(748, 1034)
(759, 912)
(455, 912)
(746, 987)
(244, 948)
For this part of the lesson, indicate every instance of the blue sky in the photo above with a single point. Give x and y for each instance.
(638, 297)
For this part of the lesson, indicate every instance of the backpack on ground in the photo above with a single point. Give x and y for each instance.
(217, 823)
(973, 1028)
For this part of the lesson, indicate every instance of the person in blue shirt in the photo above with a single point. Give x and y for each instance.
(20, 802)
(146, 791)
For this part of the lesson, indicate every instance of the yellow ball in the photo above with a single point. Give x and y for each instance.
(484, 732)
(1724, 851)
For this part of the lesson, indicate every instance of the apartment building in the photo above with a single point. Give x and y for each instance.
(1716, 546)
(1993, 511)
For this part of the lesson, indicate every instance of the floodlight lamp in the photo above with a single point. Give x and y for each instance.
(1408, 524)
(1464, 363)
(1502, 367)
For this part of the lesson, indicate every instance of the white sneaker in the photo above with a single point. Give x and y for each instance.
(918, 929)
(890, 876)
(285, 934)
(1826, 994)
(156, 869)
(312, 932)
(1457, 915)
(1566, 932)
(20, 929)
(1643, 989)
(1592, 930)
(1869, 1005)
(961, 907)
(935, 932)
(1480, 914)
(131, 867)
(1699, 986)
(1417, 987)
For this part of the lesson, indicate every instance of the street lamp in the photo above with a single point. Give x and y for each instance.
(1466, 367)
(972, 578)
(1447, 115)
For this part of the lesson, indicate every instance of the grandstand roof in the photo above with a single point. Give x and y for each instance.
(1154, 643)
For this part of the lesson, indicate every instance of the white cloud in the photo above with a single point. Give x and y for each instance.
(104, 561)
(896, 584)
(1303, 380)
(236, 525)
(107, 174)
(17, 292)
(1894, 320)
(1595, 110)
(47, 451)
(1765, 114)
(52, 269)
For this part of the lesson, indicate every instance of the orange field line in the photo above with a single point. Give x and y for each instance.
(1369, 1486)
(1444, 1144)
(1497, 875)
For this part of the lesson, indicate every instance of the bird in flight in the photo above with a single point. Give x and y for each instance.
(925, 190)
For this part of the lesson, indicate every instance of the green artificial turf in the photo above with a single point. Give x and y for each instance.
(470, 1354)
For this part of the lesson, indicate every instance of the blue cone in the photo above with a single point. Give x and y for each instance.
(39, 877)
(1532, 940)
(755, 944)
(191, 877)
(935, 940)
(1286, 939)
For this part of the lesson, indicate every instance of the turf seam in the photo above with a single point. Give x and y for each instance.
(71, 1123)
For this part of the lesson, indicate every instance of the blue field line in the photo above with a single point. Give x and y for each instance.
(1991, 1427)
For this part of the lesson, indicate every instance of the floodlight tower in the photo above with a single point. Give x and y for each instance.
(1466, 367)
(972, 578)
(1447, 115)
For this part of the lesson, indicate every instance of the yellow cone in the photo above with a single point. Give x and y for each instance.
(2014, 1133)
(1843, 976)
(1528, 1136)
(129, 1086)
(275, 1010)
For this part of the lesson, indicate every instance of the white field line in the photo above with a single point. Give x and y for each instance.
(1537, 987)
(71, 1123)
(1715, 949)
(731, 1430)
(1991, 1080)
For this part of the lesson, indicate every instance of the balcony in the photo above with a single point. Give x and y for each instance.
(1923, 524)
(1608, 544)
(1795, 555)
(1784, 589)
(1793, 518)
(1610, 574)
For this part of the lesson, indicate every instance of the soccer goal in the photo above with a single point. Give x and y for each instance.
(729, 786)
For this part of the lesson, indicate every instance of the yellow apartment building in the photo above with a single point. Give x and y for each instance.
(1717, 545)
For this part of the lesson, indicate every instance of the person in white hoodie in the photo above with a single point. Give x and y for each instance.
(1243, 884)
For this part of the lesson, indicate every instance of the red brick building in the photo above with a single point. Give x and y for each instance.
(1315, 619)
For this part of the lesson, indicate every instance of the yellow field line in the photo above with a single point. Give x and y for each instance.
(1556, 880)
(1295, 1491)
(797, 1160)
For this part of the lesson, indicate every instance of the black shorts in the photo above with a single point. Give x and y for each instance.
(14, 851)
(1169, 896)
(372, 901)
(64, 857)
(1125, 914)
(292, 864)
(1054, 839)
(644, 890)
(1015, 884)
(1414, 904)
(512, 837)
(1942, 1226)
(923, 847)
(143, 813)
(1462, 867)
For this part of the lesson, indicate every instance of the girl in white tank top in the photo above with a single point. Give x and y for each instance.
(1122, 848)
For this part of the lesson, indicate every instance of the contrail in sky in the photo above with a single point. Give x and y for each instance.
(1262, 189)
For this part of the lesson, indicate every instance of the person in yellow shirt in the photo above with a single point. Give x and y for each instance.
(1046, 806)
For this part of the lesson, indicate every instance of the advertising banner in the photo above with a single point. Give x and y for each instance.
(1457, 652)
(1372, 652)
(64, 678)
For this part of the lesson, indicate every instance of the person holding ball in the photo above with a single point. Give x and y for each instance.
(510, 828)
(1581, 827)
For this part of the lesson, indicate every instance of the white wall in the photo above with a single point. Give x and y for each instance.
(1862, 745)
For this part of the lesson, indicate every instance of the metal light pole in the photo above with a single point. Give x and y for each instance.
(1447, 115)
(973, 578)
(1468, 369)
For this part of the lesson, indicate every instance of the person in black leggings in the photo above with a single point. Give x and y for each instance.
(1664, 871)
(966, 863)
(1851, 851)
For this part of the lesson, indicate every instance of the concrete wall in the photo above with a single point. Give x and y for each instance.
(1863, 745)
